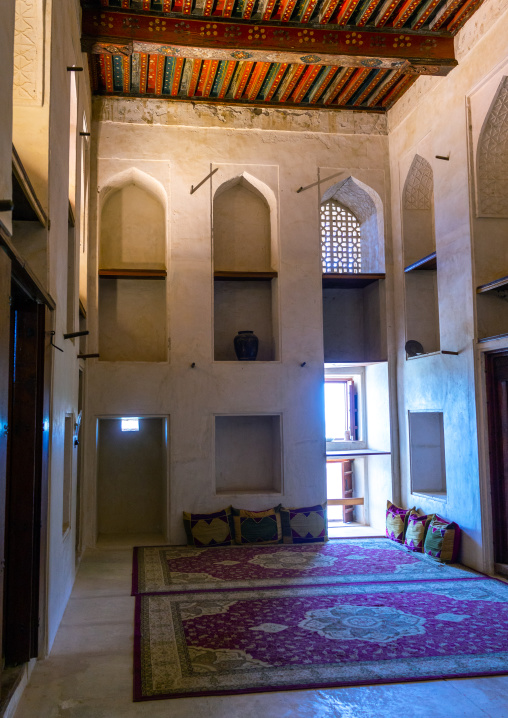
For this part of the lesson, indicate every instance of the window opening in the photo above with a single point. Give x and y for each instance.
(130, 424)
(341, 410)
(340, 240)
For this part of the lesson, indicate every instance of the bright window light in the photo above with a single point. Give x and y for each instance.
(130, 424)
(340, 420)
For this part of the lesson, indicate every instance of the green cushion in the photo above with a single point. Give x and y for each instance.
(257, 526)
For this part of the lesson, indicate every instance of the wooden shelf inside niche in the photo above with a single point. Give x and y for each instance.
(495, 284)
(428, 262)
(243, 276)
(133, 273)
(349, 281)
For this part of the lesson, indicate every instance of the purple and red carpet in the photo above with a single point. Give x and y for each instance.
(261, 619)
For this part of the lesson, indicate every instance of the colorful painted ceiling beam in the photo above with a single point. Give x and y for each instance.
(384, 45)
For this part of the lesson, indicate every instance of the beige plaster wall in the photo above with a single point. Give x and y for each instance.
(277, 152)
(432, 120)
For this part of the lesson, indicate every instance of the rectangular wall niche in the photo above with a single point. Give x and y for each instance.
(131, 477)
(427, 453)
(248, 456)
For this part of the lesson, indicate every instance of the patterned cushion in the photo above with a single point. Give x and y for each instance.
(396, 521)
(416, 530)
(305, 525)
(210, 529)
(442, 540)
(257, 526)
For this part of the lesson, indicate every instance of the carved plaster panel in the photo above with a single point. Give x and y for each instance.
(28, 53)
(493, 158)
(419, 185)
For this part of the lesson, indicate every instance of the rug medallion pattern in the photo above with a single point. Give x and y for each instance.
(316, 636)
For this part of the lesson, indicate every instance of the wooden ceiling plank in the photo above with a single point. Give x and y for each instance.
(423, 14)
(256, 86)
(278, 75)
(385, 11)
(289, 7)
(384, 87)
(305, 83)
(177, 76)
(444, 13)
(327, 9)
(366, 9)
(289, 83)
(152, 74)
(228, 8)
(403, 84)
(160, 66)
(230, 68)
(346, 10)
(126, 73)
(322, 84)
(186, 77)
(463, 15)
(244, 76)
(374, 82)
(352, 85)
(260, 10)
(405, 11)
(108, 73)
(307, 11)
(196, 71)
(337, 84)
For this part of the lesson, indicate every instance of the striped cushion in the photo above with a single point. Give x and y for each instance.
(416, 531)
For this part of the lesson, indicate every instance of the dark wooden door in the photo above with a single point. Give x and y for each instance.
(24, 471)
(347, 489)
(5, 291)
(497, 387)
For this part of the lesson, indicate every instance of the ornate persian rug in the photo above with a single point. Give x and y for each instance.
(165, 569)
(318, 636)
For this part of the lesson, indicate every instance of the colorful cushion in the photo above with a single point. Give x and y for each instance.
(442, 540)
(305, 525)
(210, 529)
(416, 530)
(257, 526)
(396, 521)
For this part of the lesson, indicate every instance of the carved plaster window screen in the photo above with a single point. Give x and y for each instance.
(493, 158)
(340, 240)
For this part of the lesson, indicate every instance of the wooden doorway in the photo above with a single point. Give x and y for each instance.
(26, 467)
(497, 398)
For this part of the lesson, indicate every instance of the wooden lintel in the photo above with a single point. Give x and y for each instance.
(345, 502)
(123, 33)
(133, 273)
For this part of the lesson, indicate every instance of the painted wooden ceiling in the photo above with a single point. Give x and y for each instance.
(347, 54)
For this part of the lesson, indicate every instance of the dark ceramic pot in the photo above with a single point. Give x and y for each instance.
(246, 345)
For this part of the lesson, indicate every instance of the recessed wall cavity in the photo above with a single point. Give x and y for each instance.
(427, 452)
(132, 270)
(491, 225)
(245, 261)
(131, 477)
(248, 456)
(419, 251)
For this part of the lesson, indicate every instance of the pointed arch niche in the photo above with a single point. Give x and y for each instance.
(419, 251)
(491, 223)
(132, 269)
(354, 312)
(245, 263)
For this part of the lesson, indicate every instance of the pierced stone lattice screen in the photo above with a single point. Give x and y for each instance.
(340, 240)
(493, 158)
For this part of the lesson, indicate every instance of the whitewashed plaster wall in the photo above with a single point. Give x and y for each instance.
(6, 60)
(62, 49)
(178, 145)
(432, 120)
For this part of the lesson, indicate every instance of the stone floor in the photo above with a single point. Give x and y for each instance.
(89, 671)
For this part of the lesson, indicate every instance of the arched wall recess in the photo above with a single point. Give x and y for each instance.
(133, 222)
(492, 158)
(245, 225)
(365, 203)
(419, 255)
(245, 250)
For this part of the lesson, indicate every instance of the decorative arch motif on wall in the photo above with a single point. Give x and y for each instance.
(363, 204)
(492, 157)
(419, 186)
(137, 177)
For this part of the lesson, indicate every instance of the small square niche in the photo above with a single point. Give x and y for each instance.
(427, 452)
(248, 455)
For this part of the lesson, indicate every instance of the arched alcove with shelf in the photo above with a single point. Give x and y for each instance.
(353, 260)
(419, 253)
(132, 269)
(245, 262)
(491, 224)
